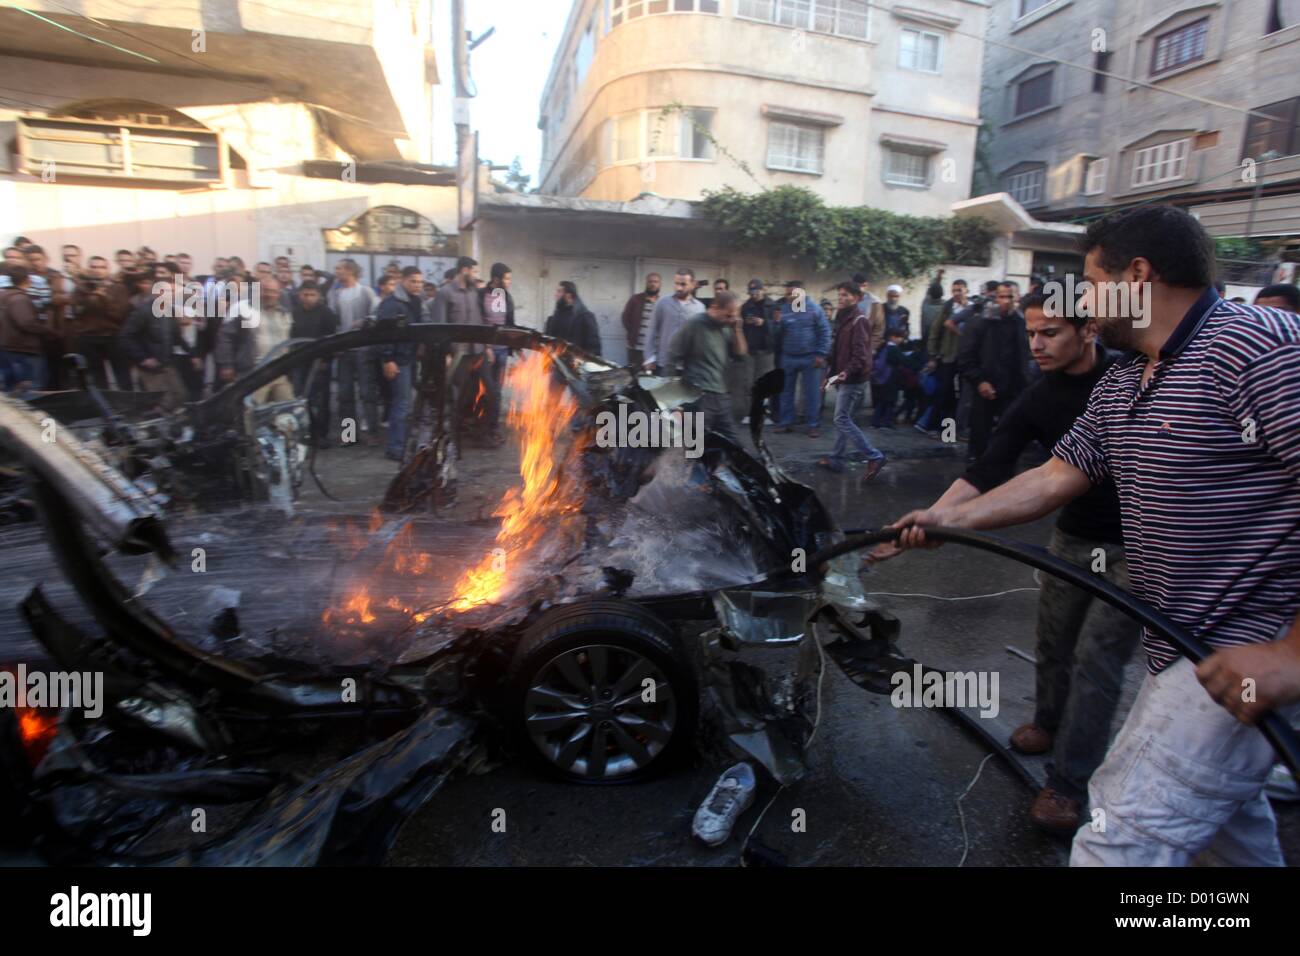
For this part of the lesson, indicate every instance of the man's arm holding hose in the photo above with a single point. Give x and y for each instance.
(1026, 497)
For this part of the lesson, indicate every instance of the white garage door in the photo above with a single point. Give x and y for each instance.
(604, 285)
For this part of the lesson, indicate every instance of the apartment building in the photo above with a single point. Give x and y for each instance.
(864, 103)
(295, 127)
(1099, 104)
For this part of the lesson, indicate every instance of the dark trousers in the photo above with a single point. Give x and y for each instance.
(319, 399)
(884, 398)
(100, 352)
(1083, 645)
(191, 377)
(945, 398)
(984, 416)
(717, 415)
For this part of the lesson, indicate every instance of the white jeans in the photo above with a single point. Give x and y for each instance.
(1183, 775)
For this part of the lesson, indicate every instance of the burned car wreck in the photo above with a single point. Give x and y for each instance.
(304, 678)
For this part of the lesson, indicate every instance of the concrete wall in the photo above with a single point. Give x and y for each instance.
(737, 67)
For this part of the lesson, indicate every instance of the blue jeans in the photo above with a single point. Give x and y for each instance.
(848, 399)
(801, 366)
(398, 410)
(21, 367)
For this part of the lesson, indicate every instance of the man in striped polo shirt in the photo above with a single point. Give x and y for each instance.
(1199, 428)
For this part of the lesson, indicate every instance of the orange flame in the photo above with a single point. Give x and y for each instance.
(540, 412)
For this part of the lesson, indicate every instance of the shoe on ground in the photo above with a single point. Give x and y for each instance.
(783, 429)
(830, 464)
(729, 798)
(1055, 812)
(1281, 785)
(814, 433)
(1031, 739)
(873, 469)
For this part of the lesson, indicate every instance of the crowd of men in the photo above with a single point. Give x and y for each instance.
(152, 324)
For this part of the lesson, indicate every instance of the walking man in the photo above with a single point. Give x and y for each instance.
(849, 368)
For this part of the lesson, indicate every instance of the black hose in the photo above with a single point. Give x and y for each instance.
(1276, 730)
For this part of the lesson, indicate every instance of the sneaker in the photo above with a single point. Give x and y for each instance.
(1281, 785)
(729, 798)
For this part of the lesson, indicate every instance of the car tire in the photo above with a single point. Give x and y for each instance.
(581, 706)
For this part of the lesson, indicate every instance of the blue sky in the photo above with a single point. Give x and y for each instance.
(509, 70)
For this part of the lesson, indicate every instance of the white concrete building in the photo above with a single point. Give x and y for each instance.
(303, 128)
(865, 105)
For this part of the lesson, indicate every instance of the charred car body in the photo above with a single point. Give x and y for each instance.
(602, 636)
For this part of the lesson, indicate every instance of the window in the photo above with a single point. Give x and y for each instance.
(920, 50)
(1100, 63)
(1094, 177)
(1034, 93)
(1177, 47)
(1026, 188)
(905, 167)
(586, 50)
(1026, 7)
(1160, 164)
(799, 149)
(121, 152)
(625, 138)
(681, 135)
(621, 10)
(1278, 132)
(846, 18)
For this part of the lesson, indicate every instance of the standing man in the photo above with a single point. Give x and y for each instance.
(668, 316)
(805, 342)
(636, 316)
(498, 311)
(148, 339)
(572, 320)
(850, 366)
(354, 302)
(994, 358)
(701, 349)
(403, 307)
(758, 319)
(53, 312)
(248, 336)
(943, 347)
(22, 333)
(1197, 429)
(313, 319)
(99, 310)
(461, 302)
(897, 316)
(1083, 644)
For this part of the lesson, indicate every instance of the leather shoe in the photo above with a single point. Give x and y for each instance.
(1031, 739)
(1055, 812)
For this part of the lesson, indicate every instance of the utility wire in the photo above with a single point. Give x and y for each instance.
(84, 36)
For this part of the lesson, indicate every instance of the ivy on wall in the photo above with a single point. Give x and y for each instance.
(793, 221)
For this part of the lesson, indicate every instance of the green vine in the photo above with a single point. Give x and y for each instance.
(793, 221)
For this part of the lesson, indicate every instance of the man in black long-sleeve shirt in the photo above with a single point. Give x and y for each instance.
(1082, 643)
(993, 358)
